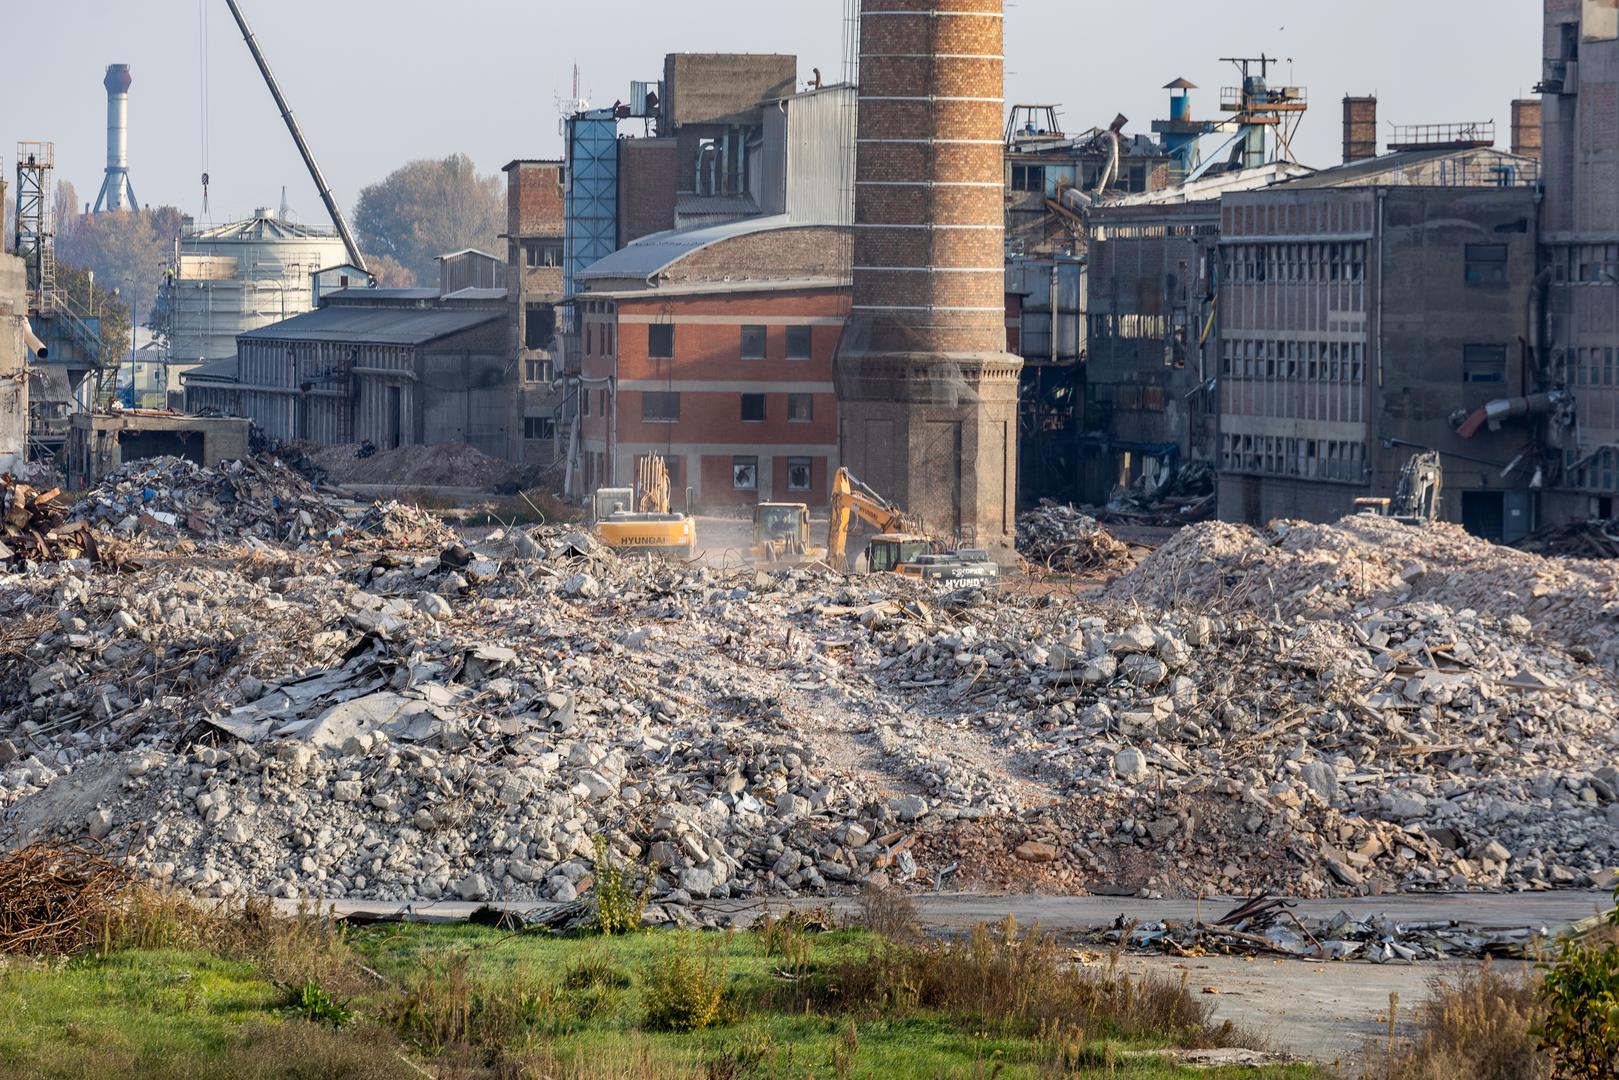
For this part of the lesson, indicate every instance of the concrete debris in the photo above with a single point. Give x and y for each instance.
(406, 719)
(168, 497)
(442, 465)
(1064, 540)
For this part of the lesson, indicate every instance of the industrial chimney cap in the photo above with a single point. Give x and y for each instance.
(1181, 84)
(117, 80)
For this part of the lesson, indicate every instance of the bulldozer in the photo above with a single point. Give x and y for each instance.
(639, 519)
(1417, 498)
(781, 534)
(900, 547)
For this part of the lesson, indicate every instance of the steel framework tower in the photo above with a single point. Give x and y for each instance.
(35, 162)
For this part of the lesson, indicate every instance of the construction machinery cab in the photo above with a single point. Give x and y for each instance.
(609, 501)
(1418, 498)
(781, 534)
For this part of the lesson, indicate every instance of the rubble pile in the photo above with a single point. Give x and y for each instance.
(1065, 540)
(402, 524)
(442, 465)
(1575, 540)
(415, 719)
(168, 497)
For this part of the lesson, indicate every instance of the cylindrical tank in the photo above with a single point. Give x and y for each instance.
(229, 279)
(929, 271)
(1180, 106)
(117, 83)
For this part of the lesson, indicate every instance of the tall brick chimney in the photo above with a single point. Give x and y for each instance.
(927, 392)
(1360, 128)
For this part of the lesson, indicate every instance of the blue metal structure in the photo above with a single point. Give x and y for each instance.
(591, 207)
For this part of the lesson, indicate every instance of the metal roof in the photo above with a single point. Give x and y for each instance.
(1361, 173)
(358, 294)
(652, 254)
(374, 325)
(476, 292)
(213, 371)
(261, 227)
(1181, 84)
(688, 203)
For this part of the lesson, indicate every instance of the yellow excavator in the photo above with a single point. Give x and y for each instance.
(781, 534)
(639, 519)
(899, 547)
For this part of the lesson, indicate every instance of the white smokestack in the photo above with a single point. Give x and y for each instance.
(117, 193)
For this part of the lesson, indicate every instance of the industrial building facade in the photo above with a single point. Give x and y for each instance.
(393, 366)
(1580, 238)
(1356, 324)
(535, 221)
(714, 349)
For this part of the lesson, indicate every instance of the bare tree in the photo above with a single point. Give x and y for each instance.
(431, 208)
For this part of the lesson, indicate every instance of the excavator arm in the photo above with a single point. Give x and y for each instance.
(853, 499)
(652, 485)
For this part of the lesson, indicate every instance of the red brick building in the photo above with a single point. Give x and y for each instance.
(714, 349)
(534, 228)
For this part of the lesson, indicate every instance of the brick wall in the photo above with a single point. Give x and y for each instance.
(647, 182)
(534, 204)
(821, 251)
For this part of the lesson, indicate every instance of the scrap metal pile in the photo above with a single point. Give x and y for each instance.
(1576, 540)
(34, 528)
(1316, 710)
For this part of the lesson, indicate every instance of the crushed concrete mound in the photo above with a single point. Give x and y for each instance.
(440, 465)
(1243, 712)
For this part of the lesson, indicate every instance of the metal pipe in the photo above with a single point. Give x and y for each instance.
(35, 346)
(298, 137)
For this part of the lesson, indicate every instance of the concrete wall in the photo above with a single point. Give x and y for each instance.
(13, 362)
(99, 443)
(1580, 224)
(1345, 317)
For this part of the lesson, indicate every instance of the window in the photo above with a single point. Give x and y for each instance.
(745, 473)
(798, 343)
(584, 403)
(539, 326)
(1028, 178)
(800, 408)
(541, 253)
(590, 338)
(1484, 363)
(660, 406)
(660, 344)
(753, 343)
(538, 427)
(1486, 266)
(753, 407)
(537, 371)
(800, 472)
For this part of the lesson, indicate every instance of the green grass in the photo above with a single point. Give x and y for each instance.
(471, 1002)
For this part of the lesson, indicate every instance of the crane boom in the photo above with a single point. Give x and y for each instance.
(298, 137)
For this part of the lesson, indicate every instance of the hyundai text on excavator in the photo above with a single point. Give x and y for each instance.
(639, 519)
(899, 546)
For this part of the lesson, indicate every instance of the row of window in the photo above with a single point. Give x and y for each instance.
(745, 472)
(1593, 471)
(1584, 264)
(605, 335)
(1307, 459)
(1248, 264)
(1592, 367)
(1130, 326)
(1325, 361)
(663, 407)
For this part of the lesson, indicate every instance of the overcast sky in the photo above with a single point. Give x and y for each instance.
(376, 83)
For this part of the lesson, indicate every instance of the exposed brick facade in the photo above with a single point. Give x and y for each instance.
(534, 226)
(927, 391)
(647, 184)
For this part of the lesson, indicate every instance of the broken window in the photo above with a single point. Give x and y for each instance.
(1486, 266)
(538, 254)
(660, 406)
(538, 427)
(1028, 178)
(753, 343)
(660, 343)
(753, 407)
(745, 473)
(800, 473)
(798, 343)
(539, 326)
(1484, 363)
(801, 408)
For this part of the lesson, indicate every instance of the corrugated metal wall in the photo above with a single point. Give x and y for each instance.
(820, 156)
